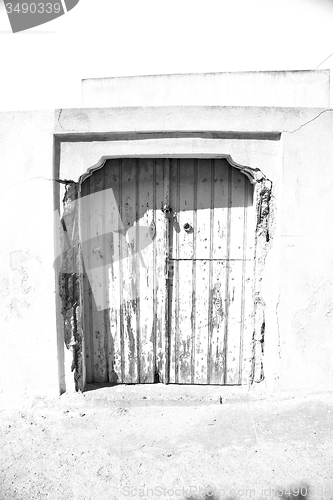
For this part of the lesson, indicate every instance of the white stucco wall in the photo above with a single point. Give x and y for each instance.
(289, 364)
(305, 305)
(299, 273)
(27, 299)
(263, 88)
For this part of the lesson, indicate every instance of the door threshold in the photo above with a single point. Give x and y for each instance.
(164, 395)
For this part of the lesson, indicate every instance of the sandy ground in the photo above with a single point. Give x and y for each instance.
(167, 443)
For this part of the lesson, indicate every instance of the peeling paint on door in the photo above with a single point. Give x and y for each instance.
(211, 315)
(176, 274)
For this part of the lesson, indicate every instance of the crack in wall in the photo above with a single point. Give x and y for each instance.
(306, 123)
(60, 181)
(11, 186)
(59, 116)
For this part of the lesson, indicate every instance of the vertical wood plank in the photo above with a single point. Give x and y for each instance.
(236, 276)
(122, 255)
(145, 197)
(184, 341)
(210, 271)
(227, 275)
(234, 321)
(186, 246)
(186, 208)
(202, 322)
(243, 293)
(160, 305)
(173, 270)
(218, 303)
(96, 274)
(128, 272)
(137, 252)
(105, 303)
(202, 230)
(237, 214)
(80, 280)
(85, 234)
(196, 227)
(218, 315)
(248, 272)
(156, 377)
(220, 225)
(174, 321)
(114, 282)
(166, 325)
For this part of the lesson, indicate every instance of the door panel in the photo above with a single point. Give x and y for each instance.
(124, 266)
(212, 260)
(167, 298)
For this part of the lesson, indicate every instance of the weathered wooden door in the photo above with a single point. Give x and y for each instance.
(167, 293)
(125, 280)
(211, 254)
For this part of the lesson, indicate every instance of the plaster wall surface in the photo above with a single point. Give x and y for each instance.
(293, 147)
(297, 283)
(27, 298)
(305, 302)
(220, 121)
(265, 88)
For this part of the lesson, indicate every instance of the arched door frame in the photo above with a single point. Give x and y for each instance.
(71, 309)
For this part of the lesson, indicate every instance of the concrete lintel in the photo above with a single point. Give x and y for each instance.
(252, 88)
(194, 119)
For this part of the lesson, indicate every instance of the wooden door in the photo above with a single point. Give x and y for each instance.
(212, 247)
(167, 295)
(124, 240)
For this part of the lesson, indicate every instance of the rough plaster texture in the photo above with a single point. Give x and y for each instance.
(305, 306)
(292, 147)
(27, 299)
(234, 122)
(227, 132)
(264, 88)
(70, 284)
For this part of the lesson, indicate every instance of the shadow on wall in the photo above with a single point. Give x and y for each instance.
(294, 492)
